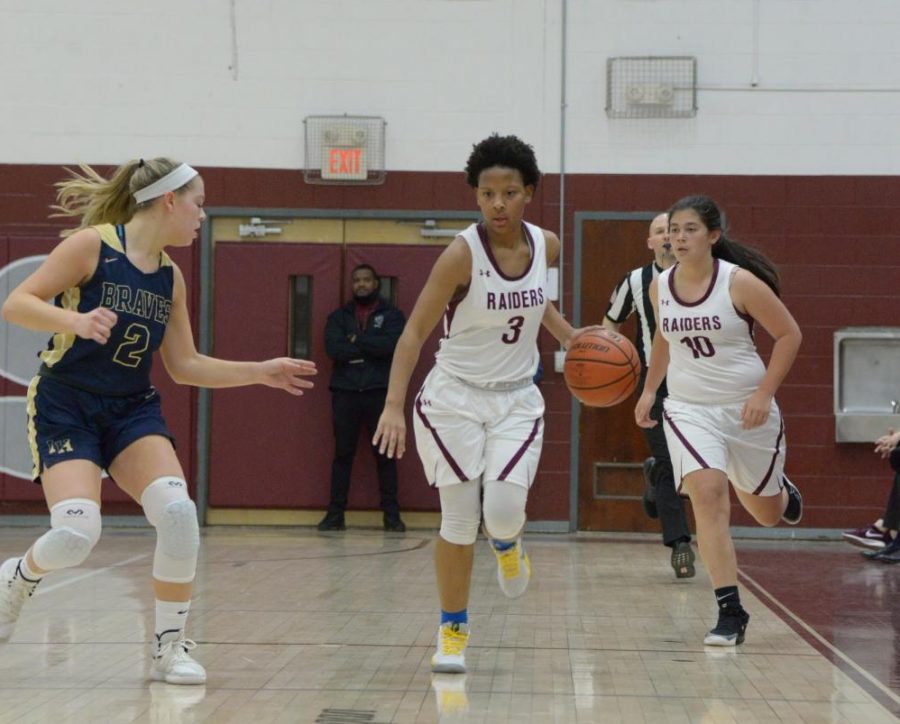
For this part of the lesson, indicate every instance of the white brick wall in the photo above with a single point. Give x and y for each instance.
(93, 81)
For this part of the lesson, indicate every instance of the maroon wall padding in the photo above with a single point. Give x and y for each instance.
(832, 237)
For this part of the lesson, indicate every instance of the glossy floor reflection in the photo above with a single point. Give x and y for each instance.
(297, 626)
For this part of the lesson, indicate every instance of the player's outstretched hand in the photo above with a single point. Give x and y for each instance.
(390, 435)
(287, 373)
(642, 410)
(96, 324)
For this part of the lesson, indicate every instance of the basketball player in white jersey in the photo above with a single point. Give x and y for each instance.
(720, 417)
(479, 416)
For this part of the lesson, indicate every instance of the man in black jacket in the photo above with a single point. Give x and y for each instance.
(360, 337)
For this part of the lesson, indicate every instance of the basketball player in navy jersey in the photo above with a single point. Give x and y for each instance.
(720, 417)
(479, 416)
(632, 296)
(116, 298)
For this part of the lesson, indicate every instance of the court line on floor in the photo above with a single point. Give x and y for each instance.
(822, 641)
(89, 574)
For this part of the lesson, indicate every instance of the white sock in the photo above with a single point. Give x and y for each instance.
(171, 617)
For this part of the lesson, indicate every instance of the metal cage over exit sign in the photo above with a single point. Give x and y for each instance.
(344, 150)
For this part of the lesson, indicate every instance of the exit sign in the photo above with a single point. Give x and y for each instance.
(342, 162)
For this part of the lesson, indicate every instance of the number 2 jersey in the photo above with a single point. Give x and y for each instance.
(142, 301)
(712, 354)
(490, 331)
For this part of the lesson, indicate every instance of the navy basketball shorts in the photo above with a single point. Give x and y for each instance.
(711, 437)
(466, 433)
(67, 423)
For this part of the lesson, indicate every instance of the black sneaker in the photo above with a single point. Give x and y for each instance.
(889, 554)
(729, 631)
(332, 521)
(648, 499)
(683, 559)
(794, 510)
(393, 524)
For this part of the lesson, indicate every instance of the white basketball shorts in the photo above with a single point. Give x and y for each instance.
(466, 433)
(711, 436)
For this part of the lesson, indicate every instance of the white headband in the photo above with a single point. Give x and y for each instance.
(172, 181)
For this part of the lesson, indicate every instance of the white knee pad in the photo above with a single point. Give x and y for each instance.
(460, 512)
(174, 515)
(504, 509)
(75, 527)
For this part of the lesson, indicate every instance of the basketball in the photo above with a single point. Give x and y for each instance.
(601, 368)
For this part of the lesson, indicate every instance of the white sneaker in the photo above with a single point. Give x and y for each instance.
(450, 657)
(172, 664)
(513, 569)
(13, 591)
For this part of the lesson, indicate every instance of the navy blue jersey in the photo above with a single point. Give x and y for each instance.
(143, 303)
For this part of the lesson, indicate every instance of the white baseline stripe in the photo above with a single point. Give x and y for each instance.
(837, 652)
(89, 574)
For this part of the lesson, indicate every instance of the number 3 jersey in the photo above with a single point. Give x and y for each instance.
(712, 355)
(142, 302)
(490, 331)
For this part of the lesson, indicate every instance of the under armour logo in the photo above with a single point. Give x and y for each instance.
(484, 272)
(425, 403)
(664, 302)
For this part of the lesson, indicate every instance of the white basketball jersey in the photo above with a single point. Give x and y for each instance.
(712, 355)
(490, 333)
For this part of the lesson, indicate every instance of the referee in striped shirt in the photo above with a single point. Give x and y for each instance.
(660, 497)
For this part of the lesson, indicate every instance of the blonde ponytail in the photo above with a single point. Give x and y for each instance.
(94, 199)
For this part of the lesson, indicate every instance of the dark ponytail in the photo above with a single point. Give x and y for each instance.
(726, 248)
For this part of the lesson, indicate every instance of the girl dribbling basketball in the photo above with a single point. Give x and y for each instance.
(479, 415)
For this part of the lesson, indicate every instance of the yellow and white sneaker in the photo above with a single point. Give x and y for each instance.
(513, 568)
(172, 664)
(450, 657)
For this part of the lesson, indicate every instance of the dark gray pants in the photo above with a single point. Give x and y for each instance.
(669, 503)
(351, 412)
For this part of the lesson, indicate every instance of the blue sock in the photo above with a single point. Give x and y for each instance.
(502, 545)
(454, 616)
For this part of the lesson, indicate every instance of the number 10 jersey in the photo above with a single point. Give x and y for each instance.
(712, 354)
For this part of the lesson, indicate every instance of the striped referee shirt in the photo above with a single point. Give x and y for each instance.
(632, 295)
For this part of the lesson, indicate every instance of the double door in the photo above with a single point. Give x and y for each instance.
(270, 449)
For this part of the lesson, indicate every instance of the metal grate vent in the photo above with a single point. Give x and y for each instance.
(651, 87)
(344, 150)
